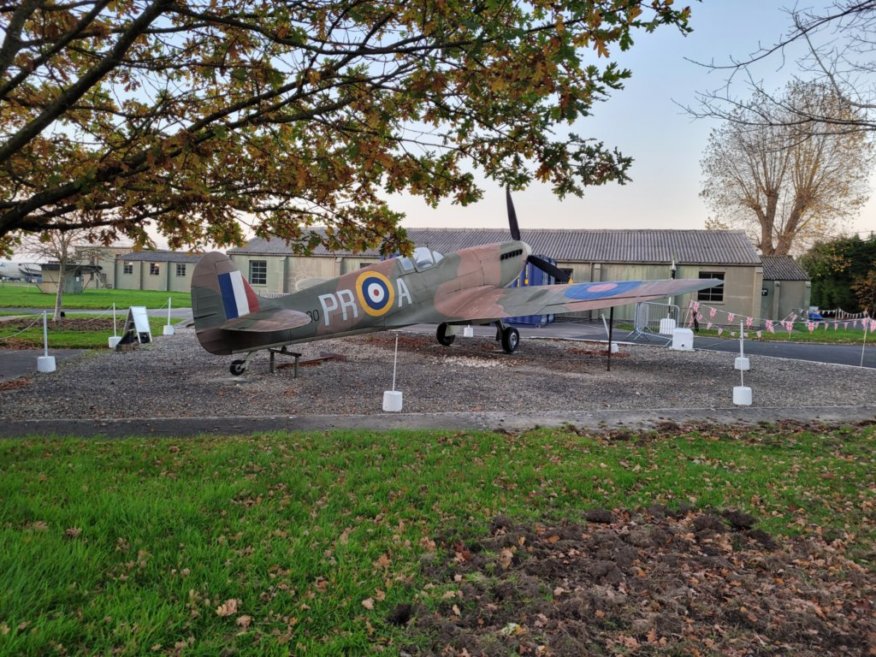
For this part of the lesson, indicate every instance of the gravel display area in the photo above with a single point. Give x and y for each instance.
(174, 378)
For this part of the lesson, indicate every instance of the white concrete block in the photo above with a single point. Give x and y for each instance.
(682, 339)
(392, 401)
(742, 395)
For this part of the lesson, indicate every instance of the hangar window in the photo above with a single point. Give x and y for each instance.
(128, 268)
(712, 294)
(258, 272)
(154, 269)
(180, 270)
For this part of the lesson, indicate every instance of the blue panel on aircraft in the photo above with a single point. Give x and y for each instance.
(532, 275)
(226, 288)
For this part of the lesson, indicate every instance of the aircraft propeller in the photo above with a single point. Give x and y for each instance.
(547, 267)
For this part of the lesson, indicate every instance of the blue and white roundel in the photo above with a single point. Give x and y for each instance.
(375, 293)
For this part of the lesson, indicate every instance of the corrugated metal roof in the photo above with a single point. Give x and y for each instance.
(713, 247)
(160, 256)
(782, 268)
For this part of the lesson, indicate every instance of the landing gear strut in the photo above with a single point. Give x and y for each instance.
(509, 336)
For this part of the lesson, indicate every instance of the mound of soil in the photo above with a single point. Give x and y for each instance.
(652, 583)
(67, 323)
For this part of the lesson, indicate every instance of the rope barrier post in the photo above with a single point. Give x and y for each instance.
(392, 399)
(46, 363)
(168, 329)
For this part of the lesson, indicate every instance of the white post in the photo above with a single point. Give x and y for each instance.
(115, 338)
(394, 361)
(168, 329)
(742, 363)
(742, 393)
(863, 346)
(392, 399)
(45, 363)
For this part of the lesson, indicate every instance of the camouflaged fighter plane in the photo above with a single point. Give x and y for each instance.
(465, 287)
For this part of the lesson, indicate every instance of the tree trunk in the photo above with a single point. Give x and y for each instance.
(59, 296)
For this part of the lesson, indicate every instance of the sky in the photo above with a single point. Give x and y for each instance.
(645, 121)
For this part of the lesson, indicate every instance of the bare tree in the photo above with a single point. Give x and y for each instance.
(55, 245)
(838, 51)
(787, 184)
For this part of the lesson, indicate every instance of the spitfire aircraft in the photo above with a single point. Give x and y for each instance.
(468, 286)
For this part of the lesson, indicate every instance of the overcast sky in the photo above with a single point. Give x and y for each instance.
(644, 121)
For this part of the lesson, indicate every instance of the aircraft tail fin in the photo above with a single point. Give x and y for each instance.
(220, 292)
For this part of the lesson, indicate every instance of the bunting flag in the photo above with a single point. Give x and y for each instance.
(698, 312)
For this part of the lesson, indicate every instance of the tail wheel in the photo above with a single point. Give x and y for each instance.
(443, 337)
(510, 339)
(238, 367)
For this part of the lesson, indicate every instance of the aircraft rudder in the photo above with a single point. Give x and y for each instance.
(220, 292)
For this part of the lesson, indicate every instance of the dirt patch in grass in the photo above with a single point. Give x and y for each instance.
(651, 583)
(14, 384)
(66, 324)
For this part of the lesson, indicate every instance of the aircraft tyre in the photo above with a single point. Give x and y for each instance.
(238, 367)
(510, 339)
(443, 337)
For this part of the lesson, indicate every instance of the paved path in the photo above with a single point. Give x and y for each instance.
(15, 363)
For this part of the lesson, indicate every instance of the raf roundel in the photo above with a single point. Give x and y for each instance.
(375, 293)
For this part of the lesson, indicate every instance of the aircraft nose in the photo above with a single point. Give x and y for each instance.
(527, 250)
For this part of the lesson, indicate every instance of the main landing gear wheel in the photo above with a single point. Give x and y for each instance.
(443, 337)
(238, 367)
(510, 339)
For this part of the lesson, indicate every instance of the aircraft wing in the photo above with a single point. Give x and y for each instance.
(266, 321)
(489, 303)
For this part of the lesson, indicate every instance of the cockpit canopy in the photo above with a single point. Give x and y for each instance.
(422, 259)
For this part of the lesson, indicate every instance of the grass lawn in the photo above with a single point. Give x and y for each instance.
(73, 332)
(28, 296)
(302, 544)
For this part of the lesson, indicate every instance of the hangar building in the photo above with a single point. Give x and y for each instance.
(592, 255)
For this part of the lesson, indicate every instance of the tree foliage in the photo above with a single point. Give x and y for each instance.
(843, 273)
(787, 185)
(837, 43)
(194, 114)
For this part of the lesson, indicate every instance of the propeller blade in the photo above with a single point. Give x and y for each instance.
(512, 215)
(549, 268)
